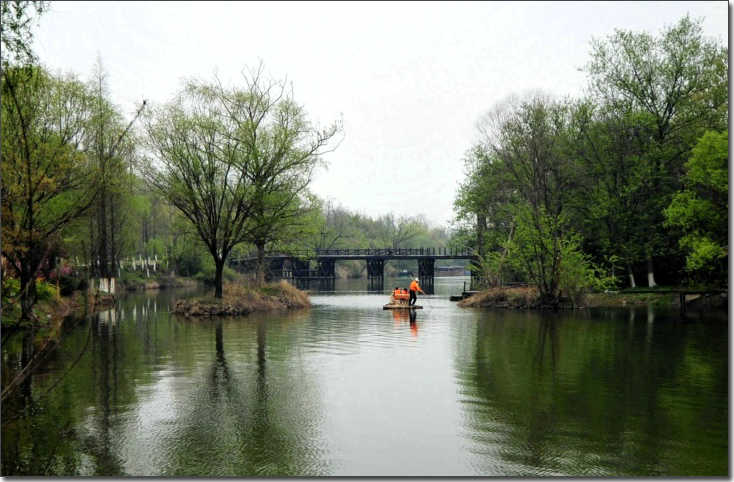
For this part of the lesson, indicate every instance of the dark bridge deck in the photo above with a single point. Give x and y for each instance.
(296, 264)
(367, 253)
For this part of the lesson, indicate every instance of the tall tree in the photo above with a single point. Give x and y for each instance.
(532, 141)
(676, 86)
(200, 168)
(700, 210)
(110, 147)
(46, 182)
(283, 148)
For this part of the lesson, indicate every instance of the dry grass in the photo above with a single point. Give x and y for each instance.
(518, 298)
(242, 299)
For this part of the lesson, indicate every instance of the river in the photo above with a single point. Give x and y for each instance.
(345, 388)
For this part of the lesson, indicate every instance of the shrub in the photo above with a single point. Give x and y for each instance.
(45, 291)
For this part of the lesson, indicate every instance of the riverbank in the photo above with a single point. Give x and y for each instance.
(525, 298)
(241, 299)
(136, 282)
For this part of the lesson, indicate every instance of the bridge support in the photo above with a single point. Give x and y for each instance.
(299, 268)
(375, 274)
(425, 274)
(327, 274)
(327, 268)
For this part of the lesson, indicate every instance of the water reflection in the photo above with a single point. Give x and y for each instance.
(611, 399)
(410, 316)
(341, 388)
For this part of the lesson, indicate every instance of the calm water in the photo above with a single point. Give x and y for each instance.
(346, 388)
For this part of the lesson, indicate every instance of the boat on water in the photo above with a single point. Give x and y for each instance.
(399, 301)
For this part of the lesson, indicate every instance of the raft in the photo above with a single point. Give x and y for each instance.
(397, 306)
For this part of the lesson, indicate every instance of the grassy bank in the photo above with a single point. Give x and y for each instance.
(132, 281)
(242, 299)
(523, 298)
(518, 298)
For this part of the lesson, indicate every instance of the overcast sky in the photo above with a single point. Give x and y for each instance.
(409, 79)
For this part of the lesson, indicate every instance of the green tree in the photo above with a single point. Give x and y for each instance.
(200, 168)
(283, 148)
(46, 179)
(16, 19)
(700, 210)
(111, 148)
(675, 87)
(532, 141)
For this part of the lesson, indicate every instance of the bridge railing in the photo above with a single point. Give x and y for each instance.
(384, 252)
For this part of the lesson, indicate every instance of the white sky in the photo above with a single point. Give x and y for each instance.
(410, 79)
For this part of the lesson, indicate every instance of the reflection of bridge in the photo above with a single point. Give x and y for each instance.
(296, 265)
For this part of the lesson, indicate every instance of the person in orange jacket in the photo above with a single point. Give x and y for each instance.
(414, 287)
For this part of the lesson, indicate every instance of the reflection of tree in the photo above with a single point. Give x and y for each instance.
(236, 425)
(608, 403)
(71, 420)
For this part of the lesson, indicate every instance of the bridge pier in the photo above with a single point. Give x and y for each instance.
(425, 274)
(375, 274)
(327, 268)
(299, 269)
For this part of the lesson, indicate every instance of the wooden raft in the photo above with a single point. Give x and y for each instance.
(396, 306)
(400, 304)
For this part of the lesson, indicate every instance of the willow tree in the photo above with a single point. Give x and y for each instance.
(283, 149)
(234, 161)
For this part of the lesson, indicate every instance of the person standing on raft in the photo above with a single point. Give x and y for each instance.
(413, 288)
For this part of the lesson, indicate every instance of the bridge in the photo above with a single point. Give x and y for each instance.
(295, 265)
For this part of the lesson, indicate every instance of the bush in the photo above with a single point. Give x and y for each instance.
(579, 274)
(45, 291)
(68, 284)
(10, 287)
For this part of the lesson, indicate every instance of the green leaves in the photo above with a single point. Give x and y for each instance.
(700, 210)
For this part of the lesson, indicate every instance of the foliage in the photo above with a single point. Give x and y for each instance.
(16, 19)
(700, 210)
(609, 167)
(44, 120)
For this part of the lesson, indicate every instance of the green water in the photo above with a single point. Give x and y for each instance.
(346, 388)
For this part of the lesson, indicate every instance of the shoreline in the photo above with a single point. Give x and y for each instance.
(527, 298)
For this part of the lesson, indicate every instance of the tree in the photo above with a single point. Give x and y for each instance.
(200, 168)
(532, 142)
(46, 182)
(283, 148)
(675, 85)
(234, 161)
(15, 30)
(700, 210)
(111, 149)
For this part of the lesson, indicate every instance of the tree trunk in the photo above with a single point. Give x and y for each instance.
(481, 228)
(27, 293)
(631, 275)
(650, 273)
(260, 263)
(219, 265)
